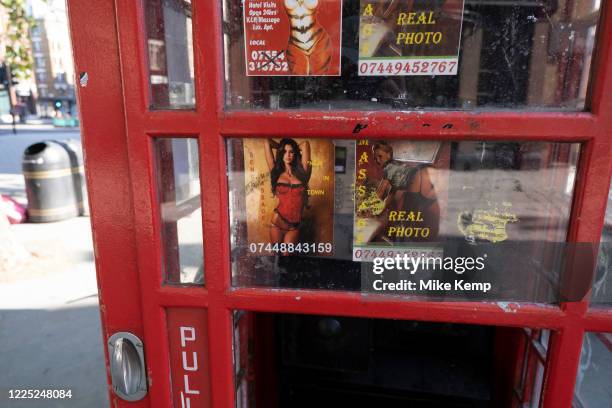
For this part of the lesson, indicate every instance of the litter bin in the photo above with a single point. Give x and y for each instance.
(75, 151)
(49, 181)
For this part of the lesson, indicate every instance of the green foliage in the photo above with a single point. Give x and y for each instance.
(16, 38)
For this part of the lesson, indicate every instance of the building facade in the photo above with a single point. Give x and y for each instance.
(53, 66)
(17, 93)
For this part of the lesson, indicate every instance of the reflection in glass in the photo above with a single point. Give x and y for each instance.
(602, 287)
(515, 54)
(170, 48)
(530, 351)
(178, 186)
(243, 358)
(537, 386)
(317, 223)
(595, 371)
(521, 379)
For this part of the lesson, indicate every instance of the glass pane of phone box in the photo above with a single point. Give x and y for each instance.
(314, 214)
(170, 54)
(295, 361)
(601, 294)
(511, 54)
(594, 373)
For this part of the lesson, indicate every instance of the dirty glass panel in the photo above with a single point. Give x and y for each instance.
(170, 54)
(531, 357)
(244, 341)
(298, 361)
(544, 338)
(530, 55)
(537, 386)
(316, 213)
(180, 208)
(601, 295)
(522, 354)
(595, 371)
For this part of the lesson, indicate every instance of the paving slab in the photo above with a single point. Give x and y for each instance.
(50, 328)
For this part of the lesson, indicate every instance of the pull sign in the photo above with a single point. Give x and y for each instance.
(127, 366)
(188, 338)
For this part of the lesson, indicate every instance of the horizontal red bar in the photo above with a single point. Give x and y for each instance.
(182, 296)
(599, 320)
(443, 125)
(439, 125)
(170, 123)
(362, 305)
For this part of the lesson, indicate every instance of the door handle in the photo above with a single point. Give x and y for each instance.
(127, 366)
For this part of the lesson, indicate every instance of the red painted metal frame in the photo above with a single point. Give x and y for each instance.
(109, 44)
(109, 187)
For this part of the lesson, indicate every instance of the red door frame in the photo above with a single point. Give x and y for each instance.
(117, 130)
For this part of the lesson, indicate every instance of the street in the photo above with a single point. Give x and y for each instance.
(49, 319)
(11, 151)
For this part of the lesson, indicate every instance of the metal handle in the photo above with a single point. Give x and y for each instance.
(127, 366)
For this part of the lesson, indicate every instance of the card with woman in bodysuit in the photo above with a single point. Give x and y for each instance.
(292, 37)
(289, 196)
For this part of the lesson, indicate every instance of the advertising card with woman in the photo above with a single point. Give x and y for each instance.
(400, 197)
(289, 196)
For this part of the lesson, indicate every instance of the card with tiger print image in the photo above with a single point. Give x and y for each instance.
(292, 37)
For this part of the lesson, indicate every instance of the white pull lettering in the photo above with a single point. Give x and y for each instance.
(186, 366)
(184, 338)
(187, 390)
(185, 400)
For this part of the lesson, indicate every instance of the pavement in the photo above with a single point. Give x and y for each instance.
(50, 333)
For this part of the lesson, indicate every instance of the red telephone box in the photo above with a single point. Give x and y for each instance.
(248, 160)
